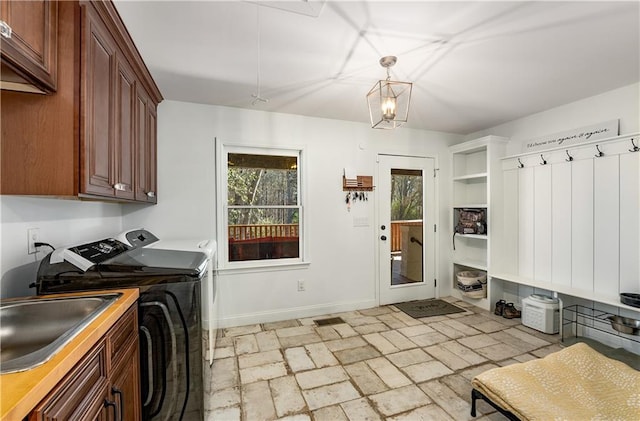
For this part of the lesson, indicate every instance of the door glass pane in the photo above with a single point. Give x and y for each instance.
(406, 226)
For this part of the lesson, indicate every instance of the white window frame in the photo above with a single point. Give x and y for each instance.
(222, 207)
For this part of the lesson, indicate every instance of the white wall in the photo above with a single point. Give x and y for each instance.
(61, 223)
(622, 104)
(342, 273)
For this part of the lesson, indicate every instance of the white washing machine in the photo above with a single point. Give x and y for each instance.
(210, 300)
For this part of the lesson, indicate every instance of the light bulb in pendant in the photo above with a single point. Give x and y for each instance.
(389, 108)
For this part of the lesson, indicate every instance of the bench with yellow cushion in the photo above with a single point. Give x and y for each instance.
(576, 383)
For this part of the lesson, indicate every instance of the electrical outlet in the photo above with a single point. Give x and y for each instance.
(301, 286)
(33, 236)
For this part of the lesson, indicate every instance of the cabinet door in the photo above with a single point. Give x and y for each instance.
(145, 148)
(124, 129)
(124, 354)
(152, 141)
(81, 395)
(97, 146)
(29, 53)
(125, 386)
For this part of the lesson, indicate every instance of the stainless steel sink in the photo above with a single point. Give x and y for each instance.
(32, 331)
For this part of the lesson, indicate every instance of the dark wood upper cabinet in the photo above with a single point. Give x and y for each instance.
(29, 45)
(94, 138)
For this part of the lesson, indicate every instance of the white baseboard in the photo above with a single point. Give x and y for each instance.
(293, 313)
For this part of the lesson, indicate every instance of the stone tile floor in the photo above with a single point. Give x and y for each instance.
(380, 364)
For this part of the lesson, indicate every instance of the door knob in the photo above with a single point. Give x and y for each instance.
(383, 237)
(383, 227)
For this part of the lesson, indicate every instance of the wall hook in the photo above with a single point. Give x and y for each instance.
(600, 153)
(635, 147)
(544, 162)
(570, 157)
(520, 164)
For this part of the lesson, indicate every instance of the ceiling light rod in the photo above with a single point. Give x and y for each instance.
(389, 100)
(257, 97)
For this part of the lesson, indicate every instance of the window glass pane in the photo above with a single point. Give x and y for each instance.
(259, 233)
(262, 180)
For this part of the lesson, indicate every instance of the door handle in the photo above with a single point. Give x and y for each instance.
(116, 391)
(383, 237)
(108, 403)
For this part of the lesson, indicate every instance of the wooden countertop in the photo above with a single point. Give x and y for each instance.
(21, 392)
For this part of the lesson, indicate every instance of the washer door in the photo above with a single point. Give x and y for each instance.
(162, 356)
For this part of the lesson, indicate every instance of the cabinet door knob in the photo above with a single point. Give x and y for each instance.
(120, 186)
(151, 194)
(5, 29)
(383, 237)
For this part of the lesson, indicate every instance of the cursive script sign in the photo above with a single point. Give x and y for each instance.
(573, 137)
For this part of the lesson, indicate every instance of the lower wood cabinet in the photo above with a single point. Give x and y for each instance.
(104, 385)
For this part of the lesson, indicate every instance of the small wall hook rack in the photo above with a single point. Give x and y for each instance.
(520, 164)
(635, 147)
(600, 153)
(570, 157)
(544, 161)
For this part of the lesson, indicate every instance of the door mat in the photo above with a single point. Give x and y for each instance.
(427, 308)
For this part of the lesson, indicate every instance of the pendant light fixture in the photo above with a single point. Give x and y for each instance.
(389, 100)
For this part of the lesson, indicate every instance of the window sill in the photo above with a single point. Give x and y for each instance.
(264, 267)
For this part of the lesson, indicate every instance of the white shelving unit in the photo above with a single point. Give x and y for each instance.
(477, 184)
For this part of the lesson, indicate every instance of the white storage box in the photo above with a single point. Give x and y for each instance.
(541, 312)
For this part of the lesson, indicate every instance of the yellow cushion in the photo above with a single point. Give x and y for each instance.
(576, 383)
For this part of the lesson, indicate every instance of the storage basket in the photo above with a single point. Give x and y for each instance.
(473, 284)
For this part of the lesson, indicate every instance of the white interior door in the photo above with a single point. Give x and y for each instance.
(406, 224)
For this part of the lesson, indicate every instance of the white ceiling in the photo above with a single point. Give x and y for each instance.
(473, 64)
